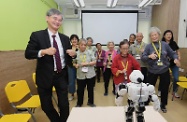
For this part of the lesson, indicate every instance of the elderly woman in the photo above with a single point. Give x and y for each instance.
(100, 54)
(169, 39)
(109, 56)
(85, 62)
(123, 64)
(156, 56)
(132, 38)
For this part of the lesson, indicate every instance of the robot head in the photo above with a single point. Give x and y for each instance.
(136, 76)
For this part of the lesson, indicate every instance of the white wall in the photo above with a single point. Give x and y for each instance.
(74, 27)
(144, 26)
(182, 39)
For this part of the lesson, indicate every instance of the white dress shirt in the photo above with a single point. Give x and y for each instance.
(60, 48)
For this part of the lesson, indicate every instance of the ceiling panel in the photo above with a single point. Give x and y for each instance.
(95, 4)
(100, 2)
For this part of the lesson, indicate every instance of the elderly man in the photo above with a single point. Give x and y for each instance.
(53, 53)
(136, 50)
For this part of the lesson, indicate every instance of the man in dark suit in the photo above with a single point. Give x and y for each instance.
(53, 53)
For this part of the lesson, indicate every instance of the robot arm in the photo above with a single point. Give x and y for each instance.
(156, 102)
(122, 90)
(154, 98)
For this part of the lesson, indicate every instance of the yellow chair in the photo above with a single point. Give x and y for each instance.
(14, 117)
(16, 91)
(53, 89)
(182, 79)
(183, 84)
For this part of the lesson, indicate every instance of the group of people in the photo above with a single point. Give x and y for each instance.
(62, 61)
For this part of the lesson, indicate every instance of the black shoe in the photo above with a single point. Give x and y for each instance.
(91, 105)
(114, 92)
(78, 106)
(105, 94)
(163, 108)
(147, 102)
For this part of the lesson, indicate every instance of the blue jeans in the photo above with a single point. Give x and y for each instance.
(175, 73)
(71, 78)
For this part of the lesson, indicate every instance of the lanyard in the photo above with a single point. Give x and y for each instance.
(138, 49)
(99, 53)
(160, 49)
(124, 66)
(83, 57)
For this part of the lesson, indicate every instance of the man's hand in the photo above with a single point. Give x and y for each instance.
(71, 52)
(48, 51)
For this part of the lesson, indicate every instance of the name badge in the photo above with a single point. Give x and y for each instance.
(98, 60)
(159, 63)
(85, 69)
(125, 76)
(138, 57)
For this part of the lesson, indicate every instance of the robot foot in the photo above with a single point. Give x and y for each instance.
(140, 117)
(129, 117)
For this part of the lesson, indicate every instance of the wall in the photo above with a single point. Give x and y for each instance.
(165, 16)
(14, 67)
(19, 18)
(182, 39)
(183, 25)
(72, 27)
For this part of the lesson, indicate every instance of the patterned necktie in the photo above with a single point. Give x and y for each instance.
(57, 55)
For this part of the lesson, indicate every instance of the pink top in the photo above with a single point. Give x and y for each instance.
(107, 54)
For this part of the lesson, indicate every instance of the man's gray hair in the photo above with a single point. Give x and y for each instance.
(154, 29)
(53, 11)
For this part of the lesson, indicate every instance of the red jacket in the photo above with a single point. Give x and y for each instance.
(117, 66)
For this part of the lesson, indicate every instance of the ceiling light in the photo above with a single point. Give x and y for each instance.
(112, 3)
(144, 3)
(79, 3)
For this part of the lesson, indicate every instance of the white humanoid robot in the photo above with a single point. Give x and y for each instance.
(138, 93)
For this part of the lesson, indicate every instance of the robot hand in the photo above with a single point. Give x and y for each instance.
(156, 102)
(120, 93)
(119, 101)
(122, 90)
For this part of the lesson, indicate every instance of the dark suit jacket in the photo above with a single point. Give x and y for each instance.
(45, 65)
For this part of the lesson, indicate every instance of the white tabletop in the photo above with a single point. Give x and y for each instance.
(109, 114)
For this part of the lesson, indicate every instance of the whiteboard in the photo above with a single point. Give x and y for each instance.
(104, 27)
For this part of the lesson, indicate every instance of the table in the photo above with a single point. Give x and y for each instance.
(109, 114)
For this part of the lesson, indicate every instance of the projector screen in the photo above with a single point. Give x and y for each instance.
(109, 25)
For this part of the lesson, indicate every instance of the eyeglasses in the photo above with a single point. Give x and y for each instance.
(124, 48)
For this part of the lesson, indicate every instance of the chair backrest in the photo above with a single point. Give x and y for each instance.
(16, 90)
(34, 78)
(1, 113)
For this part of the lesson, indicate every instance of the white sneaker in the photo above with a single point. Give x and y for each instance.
(176, 95)
(159, 93)
(71, 98)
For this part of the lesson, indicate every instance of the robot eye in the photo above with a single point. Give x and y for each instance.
(139, 80)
